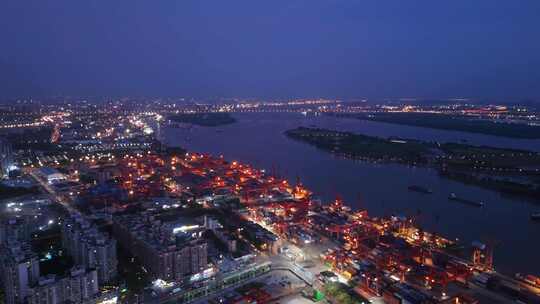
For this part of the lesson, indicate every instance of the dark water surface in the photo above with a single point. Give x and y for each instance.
(258, 139)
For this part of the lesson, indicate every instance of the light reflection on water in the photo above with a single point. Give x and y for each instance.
(258, 139)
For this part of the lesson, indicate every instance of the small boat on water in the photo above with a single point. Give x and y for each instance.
(420, 189)
(180, 125)
(535, 216)
(454, 197)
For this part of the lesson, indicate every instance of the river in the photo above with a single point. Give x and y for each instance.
(381, 189)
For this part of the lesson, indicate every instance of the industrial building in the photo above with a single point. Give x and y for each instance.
(51, 175)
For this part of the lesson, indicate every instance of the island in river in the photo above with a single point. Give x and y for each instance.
(464, 123)
(505, 170)
(203, 119)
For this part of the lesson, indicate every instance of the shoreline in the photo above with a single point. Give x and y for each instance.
(464, 163)
(446, 122)
(210, 119)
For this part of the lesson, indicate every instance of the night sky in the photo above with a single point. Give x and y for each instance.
(237, 48)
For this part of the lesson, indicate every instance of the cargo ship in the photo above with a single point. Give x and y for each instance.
(420, 189)
(535, 216)
(454, 197)
(529, 279)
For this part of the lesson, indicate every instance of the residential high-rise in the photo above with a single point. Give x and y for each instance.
(19, 267)
(15, 229)
(79, 286)
(90, 248)
(165, 249)
(20, 274)
(6, 157)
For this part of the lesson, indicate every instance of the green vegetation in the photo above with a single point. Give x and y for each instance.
(489, 157)
(361, 146)
(454, 123)
(505, 170)
(204, 119)
(48, 244)
(342, 294)
(317, 295)
(59, 265)
(136, 278)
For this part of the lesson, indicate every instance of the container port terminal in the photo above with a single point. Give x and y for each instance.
(270, 152)
(383, 258)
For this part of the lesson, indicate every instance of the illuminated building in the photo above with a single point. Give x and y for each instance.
(170, 251)
(51, 175)
(79, 286)
(6, 157)
(16, 228)
(90, 248)
(20, 270)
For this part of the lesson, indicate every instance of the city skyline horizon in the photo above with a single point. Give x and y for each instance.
(285, 48)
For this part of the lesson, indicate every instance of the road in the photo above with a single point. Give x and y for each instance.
(54, 196)
(271, 279)
(308, 264)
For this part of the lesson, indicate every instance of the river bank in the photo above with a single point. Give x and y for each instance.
(462, 123)
(508, 171)
(259, 139)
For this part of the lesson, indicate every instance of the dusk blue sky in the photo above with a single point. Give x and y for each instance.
(311, 48)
